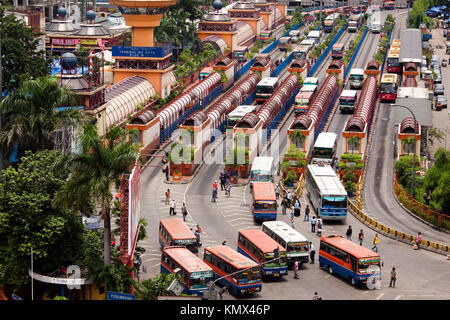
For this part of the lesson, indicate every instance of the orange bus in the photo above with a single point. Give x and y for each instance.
(194, 273)
(258, 246)
(264, 201)
(224, 261)
(348, 259)
(175, 232)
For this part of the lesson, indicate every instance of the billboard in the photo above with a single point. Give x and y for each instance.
(134, 209)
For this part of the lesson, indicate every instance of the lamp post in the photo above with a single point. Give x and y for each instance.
(414, 153)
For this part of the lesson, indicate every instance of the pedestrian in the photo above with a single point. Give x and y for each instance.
(288, 198)
(184, 211)
(292, 213)
(292, 223)
(222, 291)
(283, 206)
(296, 275)
(277, 191)
(313, 224)
(375, 242)
(349, 233)
(312, 252)
(166, 172)
(418, 240)
(228, 189)
(215, 185)
(297, 208)
(214, 195)
(222, 181)
(306, 213)
(224, 243)
(361, 237)
(393, 278)
(199, 230)
(172, 208)
(319, 226)
(167, 196)
(197, 234)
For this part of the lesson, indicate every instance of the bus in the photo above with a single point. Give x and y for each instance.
(262, 170)
(264, 205)
(324, 149)
(265, 88)
(284, 43)
(356, 78)
(205, 72)
(239, 53)
(347, 101)
(396, 43)
(224, 261)
(258, 246)
(326, 193)
(296, 244)
(309, 88)
(388, 87)
(265, 35)
(337, 51)
(234, 116)
(348, 259)
(302, 101)
(175, 232)
(194, 273)
(354, 23)
(300, 52)
(315, 36)
(311, 80)
(356, 10)
(330, 22)
(392, 63)
(389, 5)
(310, 43)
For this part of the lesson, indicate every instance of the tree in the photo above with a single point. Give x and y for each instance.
(435, 134)
(152, 288)
(28, 220)
(21, 57)
(437, 180)
(30, 114)
(96, 170)
(354, 143)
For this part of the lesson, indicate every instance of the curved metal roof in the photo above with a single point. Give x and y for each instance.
(355, 124)
(298, 63)
(245, 32)
(196, 119)
(217, 42)
(407, 125)
(371, 65)
(61, 26)
(248, 121)
(144, 117)
(301, 122)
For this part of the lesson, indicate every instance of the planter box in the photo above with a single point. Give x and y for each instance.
(243, 171)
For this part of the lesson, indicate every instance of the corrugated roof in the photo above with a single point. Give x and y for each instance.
(420, 107)
(411, 46)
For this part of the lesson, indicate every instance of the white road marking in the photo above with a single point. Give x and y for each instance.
(381, 295)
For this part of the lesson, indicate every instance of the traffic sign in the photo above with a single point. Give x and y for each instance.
(119, 296)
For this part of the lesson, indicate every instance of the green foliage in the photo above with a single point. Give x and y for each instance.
(60, 298)
(417, 14)
(437, 180)
(290, 177)
(21, 58)
(403, 168)
(152, 288)
(234, 157)
(28, 220)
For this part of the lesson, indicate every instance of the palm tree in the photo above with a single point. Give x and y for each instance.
(408, 145)
(353, 143)
(31, 114)
(97, 168)
(435, 134)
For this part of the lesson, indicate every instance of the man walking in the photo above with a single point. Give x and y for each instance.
(393, 278)
(361, 237)
(313, 224)
(288, 198)
(296, 276)
(184, 211)
(349, 233)
(222, 181)
(306, 213)
(214, 195)
(312, 252)
(375, 242)
(277, 191)
(283, 206)
(172, 208)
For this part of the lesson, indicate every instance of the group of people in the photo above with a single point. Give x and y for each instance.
(225, 185)
(361, 236)
(173, 206)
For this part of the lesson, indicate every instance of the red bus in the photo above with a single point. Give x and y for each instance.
(175, 232)
(224, 261)
(389, 5)
(348, 259)
(392, 63)
(388, 87)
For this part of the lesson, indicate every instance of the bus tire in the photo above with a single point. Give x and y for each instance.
(330, 269)
(354, 282)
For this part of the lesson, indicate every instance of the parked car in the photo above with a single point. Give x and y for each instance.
(444, 62)
(438, 89)
(440, 103)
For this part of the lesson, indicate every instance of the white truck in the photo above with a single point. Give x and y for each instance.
(354, 23)
(375, 24)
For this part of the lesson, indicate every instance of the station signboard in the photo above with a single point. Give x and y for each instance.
(141, 52)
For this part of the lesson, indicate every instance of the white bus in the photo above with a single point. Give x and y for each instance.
(326, 192)
(356, 78)
(296, 244)
(314, 35)
(311, 43)
(262, 170)
(324, 150)
(234, 116)
(265, 88)
(311, 80)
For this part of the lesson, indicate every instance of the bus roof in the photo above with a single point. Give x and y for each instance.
(389, 78)
(261, 240)
(327, 180)
(325, 140)
(304, 95)
(262, 163)
(338, 46)
(349, 94)
(241, 48)
(307, 42)
(283, 230)
(349, 246)
(285, 38)
(314, 34)
(187, 259)
(310, 80)
(235, 258)
(357, 71)
(308, 87)
(264, 191)
(269, 81)
(176, 226)
(396, 42)
(241, 110)
(393, 54)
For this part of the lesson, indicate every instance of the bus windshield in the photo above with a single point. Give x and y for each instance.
(297, 247)
(260, 176)
(347, 101)
(387, 87)
(265, 205)
(334, 202)
(264, 89)
(323, 153)
(239, 53)
(269, 256)
(299, 55)
(393, 62)
(250, 275)
(356, 77)
(369, 265)
(200, 279)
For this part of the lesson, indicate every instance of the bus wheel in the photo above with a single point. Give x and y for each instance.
(330, 269)
(354, 282)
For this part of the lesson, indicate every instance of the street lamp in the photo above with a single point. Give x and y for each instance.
(414, 153)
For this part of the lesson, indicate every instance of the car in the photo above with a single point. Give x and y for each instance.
(444, 62)
(440, 103)
(438, 89)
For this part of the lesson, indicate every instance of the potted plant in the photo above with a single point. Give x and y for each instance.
(290, 178)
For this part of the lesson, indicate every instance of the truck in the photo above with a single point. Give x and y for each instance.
(354, 23)
(375, 25)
